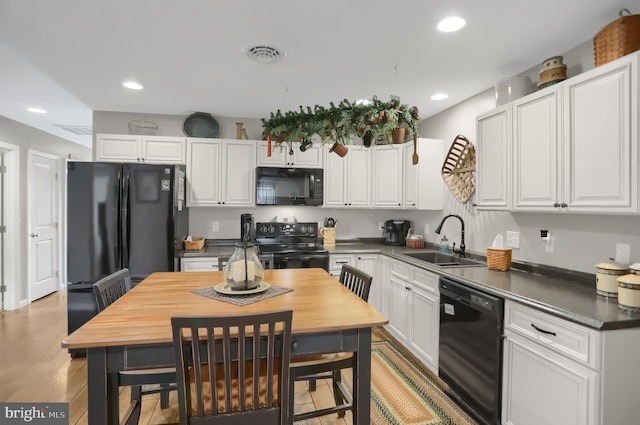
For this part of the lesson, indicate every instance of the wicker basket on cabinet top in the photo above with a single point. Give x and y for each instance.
(618, 38)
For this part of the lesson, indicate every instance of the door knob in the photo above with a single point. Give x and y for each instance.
(34, 235)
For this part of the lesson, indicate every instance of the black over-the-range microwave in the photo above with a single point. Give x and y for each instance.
(289, 186)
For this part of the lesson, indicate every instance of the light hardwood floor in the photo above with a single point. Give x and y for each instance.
(34, 368)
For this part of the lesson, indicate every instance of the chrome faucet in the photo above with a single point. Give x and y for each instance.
(462, 246)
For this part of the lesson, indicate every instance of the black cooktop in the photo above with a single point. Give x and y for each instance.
(288, 237)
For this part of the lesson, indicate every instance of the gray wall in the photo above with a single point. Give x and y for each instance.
(580, 241)
(27, 138)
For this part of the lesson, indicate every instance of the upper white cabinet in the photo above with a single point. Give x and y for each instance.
(148, 149)
(346, 179)
(281, 156)
(386, 174)
(423, 187)
(600, 146)
(575, 146)
(493, 171)
(221, 172)
(536, 146)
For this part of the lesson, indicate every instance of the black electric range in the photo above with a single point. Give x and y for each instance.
(293, 245)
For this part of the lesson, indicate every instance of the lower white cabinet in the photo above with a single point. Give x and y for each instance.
(414, 311)
(559, 373)
(364, 262)
(199, 264)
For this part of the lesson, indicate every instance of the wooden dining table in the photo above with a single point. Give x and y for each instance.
(135, 331)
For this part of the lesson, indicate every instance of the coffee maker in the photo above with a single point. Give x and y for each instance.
(395, 232)
(247, 228)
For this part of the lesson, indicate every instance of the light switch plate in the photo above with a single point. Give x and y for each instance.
(215, 226)
(513, 239)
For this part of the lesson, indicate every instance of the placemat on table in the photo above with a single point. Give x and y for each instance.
(241, 300)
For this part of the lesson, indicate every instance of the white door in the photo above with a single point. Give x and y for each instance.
(43, 225)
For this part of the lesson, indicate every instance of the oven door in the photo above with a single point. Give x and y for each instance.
(301, 261)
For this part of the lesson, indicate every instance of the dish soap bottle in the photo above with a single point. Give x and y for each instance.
(444, 245)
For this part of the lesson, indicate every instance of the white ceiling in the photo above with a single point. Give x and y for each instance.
(71, 56)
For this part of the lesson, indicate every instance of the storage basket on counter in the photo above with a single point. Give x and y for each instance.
(413, 240)
(194, 244)
(499, 259)
(617, 39)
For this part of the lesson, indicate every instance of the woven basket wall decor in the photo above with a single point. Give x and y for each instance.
(458, 170)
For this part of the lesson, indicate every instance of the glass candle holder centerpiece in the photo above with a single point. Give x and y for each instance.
(244, 270)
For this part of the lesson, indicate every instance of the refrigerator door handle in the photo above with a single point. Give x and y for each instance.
(125, 219)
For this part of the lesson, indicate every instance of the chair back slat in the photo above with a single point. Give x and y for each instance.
(108, 289)
(356, 281)
(253, 347)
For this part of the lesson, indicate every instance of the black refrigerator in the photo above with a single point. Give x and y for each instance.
(120, 215)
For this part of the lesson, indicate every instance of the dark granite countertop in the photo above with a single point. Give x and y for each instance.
(562, 293)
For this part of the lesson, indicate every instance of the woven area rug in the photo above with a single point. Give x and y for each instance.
(402, 392)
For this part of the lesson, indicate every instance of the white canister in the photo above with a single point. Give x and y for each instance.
(513, 88)
(629, 292)
(606, 277)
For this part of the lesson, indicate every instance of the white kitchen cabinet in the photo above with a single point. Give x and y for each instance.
(542, 387)
(199, 264)
(381, 287)
(220, 172)
(282, 157)
(423, 187)
(386, 174)
(574, 149)
(536, 145)
(364, 262)
(493, 160)
(579, 375)
(414, 311)
(147, 149)
(600, 143)
(347, 179)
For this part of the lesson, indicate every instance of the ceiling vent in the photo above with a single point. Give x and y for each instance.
(263, 53)
(80, 130)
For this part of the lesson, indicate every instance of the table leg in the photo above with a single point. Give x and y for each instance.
(102, 386)
(362, 379)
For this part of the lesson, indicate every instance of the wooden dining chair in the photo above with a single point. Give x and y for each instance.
(233, 369)
(107, 290)
(329, 366)
(265, 259)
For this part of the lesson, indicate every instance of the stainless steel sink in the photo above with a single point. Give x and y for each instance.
(444, 260)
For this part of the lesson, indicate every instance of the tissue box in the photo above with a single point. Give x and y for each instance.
(499, 259)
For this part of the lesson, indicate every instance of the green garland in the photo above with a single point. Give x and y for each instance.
(342, 122)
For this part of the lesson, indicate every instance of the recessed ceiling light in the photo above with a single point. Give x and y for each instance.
(453, 23)
(37, 110)
(132, 85)
(439, 96)
(363, 102)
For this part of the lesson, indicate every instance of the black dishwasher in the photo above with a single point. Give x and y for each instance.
(470, 350)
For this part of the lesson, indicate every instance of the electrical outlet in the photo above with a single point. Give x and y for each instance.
(513, 239)
(215, 226)
(426, 229)
(381, 225)
(548, 246)
(623, 253)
